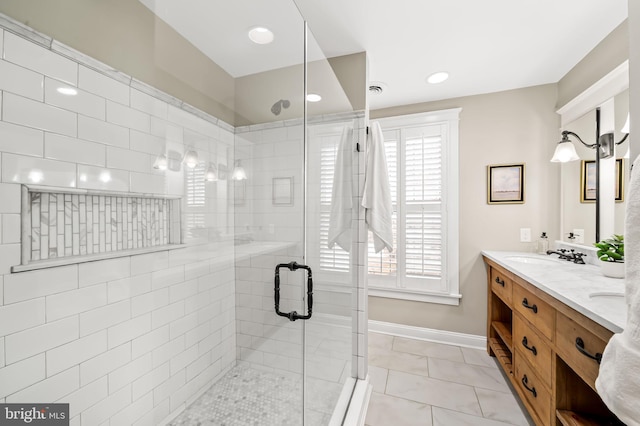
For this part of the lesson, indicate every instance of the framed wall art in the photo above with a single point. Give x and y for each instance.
(505, 183)
(588, 181)
(282, 191)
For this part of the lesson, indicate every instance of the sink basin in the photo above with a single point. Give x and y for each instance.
(609, 299)
(534, 260)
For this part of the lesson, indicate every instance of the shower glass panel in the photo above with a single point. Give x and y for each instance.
(288, 150)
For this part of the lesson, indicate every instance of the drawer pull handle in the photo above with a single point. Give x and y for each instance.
(525, 303)
(499, 281)
(531, 389)
(525, 343)
(580, 347)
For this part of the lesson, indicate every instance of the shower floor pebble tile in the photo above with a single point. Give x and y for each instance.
(246, 397)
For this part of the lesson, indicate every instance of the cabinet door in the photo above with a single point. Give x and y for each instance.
(538, 312)
(501, 285)
(579, 348)
(532, 387)
(533, 348)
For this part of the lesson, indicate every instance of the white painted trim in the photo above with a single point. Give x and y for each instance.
(429, 334)
(420, 118)
(357, 411)
(404, 294)
(602, 90)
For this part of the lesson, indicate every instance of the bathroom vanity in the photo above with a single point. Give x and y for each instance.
(548, 322)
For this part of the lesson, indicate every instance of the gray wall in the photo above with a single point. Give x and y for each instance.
(516, 126)
(607, 55)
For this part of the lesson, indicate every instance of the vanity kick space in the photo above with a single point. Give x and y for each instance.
(548, 344)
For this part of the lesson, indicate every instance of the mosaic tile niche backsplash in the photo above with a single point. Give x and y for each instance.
(66, 224)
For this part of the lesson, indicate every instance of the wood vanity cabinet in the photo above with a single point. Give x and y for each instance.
(549, 351)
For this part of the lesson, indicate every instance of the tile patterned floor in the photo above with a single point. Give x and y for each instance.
(430, 384)
(246, 396)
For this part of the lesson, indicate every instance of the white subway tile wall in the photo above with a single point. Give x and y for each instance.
(134, 340)
(271, 343)
(123, 341)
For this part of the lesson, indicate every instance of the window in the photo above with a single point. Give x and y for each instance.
(422, 160)
(195, 210)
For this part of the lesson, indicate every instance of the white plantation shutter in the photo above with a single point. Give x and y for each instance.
(196, 201)
(195, 185)
(422, 160)
(423, 205)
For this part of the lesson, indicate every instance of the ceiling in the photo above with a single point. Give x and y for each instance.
(485, 46)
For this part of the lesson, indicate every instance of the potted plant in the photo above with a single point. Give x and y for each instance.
(611, 254)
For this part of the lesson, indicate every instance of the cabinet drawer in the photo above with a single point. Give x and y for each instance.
(501, 285)
(578, 347)
(534, 391)
(533, 348)
(539, 313)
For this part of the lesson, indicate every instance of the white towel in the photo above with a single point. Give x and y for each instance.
(617, 382)
(341, 194)
(377, 193)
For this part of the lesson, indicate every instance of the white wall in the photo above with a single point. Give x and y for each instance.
(128, 340)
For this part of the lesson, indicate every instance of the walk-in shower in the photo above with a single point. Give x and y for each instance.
(163, 286)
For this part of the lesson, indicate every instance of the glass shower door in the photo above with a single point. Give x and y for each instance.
(294, 347)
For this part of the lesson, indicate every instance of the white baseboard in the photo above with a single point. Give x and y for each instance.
(429, 334)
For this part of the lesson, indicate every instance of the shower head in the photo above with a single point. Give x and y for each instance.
(277, 107)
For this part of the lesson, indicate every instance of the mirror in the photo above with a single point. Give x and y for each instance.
(578, 208)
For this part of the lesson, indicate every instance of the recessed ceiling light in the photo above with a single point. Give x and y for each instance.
(69, 91)
(437, 77)
(313, 97)
(261, 35)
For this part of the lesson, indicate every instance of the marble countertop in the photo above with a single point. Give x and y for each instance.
(581, 287)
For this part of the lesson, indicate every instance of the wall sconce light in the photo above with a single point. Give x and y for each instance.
(565, 151)
(161, 163)
(190, 159)
(625, 128)
(211, 175)
(238, 172)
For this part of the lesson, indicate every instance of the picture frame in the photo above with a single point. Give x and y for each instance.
(282, 191)
(506, 183)
(588, 181)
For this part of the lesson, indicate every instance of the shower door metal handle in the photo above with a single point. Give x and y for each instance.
(293, 315)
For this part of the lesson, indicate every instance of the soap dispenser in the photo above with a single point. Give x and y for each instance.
(543, 244)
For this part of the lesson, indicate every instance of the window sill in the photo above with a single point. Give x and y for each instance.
(72, 260)
(403, 294)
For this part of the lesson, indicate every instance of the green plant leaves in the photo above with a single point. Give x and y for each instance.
(612, 249)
